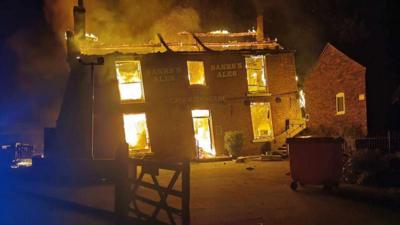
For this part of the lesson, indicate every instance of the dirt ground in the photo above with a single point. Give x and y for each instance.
(221, 193)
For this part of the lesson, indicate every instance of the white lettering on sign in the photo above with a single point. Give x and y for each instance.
(227, 70)
(164, 74)
(164, 78)
(226, 74)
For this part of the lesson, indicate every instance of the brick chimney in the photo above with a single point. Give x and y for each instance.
(80, 20)
(260, 28)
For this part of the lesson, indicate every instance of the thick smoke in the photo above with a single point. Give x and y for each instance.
(126, 21)
(40, 48)
(40, 75)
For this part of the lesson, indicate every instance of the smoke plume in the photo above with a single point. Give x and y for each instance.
(126, 21)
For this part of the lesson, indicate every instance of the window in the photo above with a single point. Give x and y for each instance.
(136, 132)
(196, 73)
(262, 121)
(340, 104)
(256, 78)
(129, 75)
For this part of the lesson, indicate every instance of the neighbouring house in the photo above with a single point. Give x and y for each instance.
(175, 99)
(335, 93)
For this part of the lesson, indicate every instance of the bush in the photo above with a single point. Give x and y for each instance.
(234, 143)
(369, 161)
(373, 167)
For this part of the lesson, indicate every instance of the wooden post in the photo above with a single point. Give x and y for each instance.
(389, 144)
(186, 192)
(122, 196)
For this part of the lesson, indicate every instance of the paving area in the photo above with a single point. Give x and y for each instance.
(221, 193)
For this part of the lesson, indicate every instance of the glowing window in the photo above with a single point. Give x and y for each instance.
(136, 132)
(129, 75)
(256, 77)
(262, 121)
(200, 113)
(196, 73)
(302, 99)
(340, 104)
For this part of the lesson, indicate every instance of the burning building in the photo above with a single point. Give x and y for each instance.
(175, 99)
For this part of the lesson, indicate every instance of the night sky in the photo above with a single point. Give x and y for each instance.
(33, 71)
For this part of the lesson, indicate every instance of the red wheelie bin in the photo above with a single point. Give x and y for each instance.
(315, 161)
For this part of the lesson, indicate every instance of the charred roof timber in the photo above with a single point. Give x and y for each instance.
(81, 43)
(198, 41)
(164, 43)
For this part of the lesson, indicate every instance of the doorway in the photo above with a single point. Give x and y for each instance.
(203, 134)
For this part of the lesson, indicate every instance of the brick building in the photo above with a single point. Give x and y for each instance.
(335, 93)
(175, 100)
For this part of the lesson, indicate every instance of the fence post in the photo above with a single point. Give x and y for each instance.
(186, 192)
(389, 144)
(121, 192)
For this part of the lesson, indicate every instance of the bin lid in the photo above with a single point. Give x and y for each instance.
(314, 139)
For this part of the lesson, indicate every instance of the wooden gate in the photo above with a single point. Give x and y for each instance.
(141, 168)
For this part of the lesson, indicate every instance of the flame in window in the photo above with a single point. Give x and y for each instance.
(202, 130)
(129, 75)
(136, 132)
(196, 73)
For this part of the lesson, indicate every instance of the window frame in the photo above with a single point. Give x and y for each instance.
(210, 124)
(204, 84)
(148, 141)
(338, 96)
(143, 98)
(255, 137)
(265, 74)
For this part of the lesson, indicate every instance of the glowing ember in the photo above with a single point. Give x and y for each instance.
(91, 37)
(252, 31)
(219, 32)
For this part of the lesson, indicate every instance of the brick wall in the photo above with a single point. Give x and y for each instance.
(334, 72)
(283, 87)
(169, 100)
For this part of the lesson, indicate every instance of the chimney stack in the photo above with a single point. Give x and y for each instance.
(260, 28)
(80, 20)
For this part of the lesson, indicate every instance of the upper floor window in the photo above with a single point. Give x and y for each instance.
(196, 73)
(340, 104)
(256, 76)
(129, 75)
